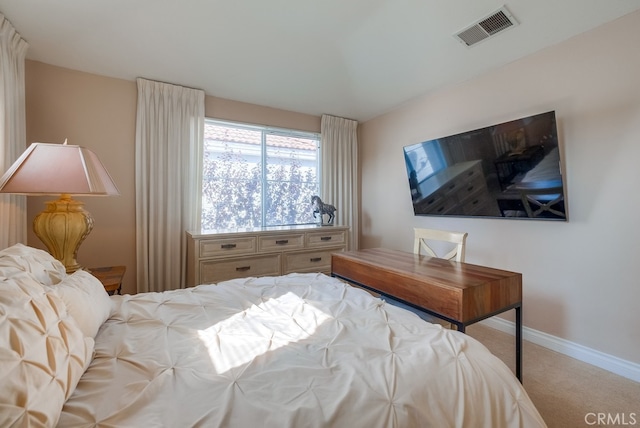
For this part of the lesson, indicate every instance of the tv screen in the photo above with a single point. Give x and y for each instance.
(508, 170)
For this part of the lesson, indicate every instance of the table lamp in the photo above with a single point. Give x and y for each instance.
(46, 169)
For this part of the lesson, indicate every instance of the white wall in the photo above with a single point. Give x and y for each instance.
(581, 277)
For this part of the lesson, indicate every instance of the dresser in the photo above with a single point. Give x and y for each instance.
(215, 256)
(460, 189)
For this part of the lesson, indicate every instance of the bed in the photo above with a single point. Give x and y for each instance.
(301, 350)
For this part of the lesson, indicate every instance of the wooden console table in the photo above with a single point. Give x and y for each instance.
(459, 293)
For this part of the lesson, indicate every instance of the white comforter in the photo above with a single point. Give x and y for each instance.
(303, 350)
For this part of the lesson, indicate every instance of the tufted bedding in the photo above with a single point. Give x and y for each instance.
(302, 350)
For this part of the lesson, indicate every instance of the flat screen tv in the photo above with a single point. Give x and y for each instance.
(508, 170)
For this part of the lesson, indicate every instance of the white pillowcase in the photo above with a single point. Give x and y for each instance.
(86, 299)
(42, 265)
(43, 353)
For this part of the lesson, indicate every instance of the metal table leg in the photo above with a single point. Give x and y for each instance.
(519, 343)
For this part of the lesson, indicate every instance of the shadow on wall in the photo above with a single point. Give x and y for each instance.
(548, 310)
(366, 239)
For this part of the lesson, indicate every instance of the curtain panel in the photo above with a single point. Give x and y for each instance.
(13, 134)
(169, 138)
(339, 172)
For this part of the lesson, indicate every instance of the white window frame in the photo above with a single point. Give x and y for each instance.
(265, 131)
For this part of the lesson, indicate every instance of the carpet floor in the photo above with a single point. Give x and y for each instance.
(567, 392)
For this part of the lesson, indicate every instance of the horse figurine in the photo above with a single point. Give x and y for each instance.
(321, 208)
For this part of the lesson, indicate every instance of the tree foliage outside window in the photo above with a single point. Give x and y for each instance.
(255, 176)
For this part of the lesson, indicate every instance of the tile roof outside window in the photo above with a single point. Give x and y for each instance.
(249, 136)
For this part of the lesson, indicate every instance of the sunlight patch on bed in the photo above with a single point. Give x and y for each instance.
(262, 328)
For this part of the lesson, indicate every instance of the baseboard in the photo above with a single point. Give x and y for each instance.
(607, 362)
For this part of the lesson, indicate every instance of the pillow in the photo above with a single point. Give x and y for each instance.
(86, 299)
(42, 265)
(43, 353)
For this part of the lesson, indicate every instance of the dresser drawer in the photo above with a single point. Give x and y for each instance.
(326, 238)
(471, 189)
(280, 242)
(445, 206)
(430, 203)
(450, 188)
(220, 247)
(308, 261)
(471, 173)
(480, 201)
(212, 271)
(215, 257)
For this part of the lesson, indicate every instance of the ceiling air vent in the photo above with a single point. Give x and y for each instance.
(487, 27)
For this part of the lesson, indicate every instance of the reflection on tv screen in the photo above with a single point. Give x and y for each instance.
(509, 170)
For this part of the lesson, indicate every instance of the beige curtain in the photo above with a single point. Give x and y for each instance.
(13, 140)
(169, 138)
(339, 172)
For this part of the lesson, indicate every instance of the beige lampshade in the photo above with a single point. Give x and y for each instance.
(45, 169)
(64, 170)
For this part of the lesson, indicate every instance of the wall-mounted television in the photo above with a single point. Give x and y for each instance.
(508, 170)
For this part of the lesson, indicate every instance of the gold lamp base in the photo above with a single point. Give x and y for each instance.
(62, 227)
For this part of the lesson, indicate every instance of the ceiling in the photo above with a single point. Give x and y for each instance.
(350, 58)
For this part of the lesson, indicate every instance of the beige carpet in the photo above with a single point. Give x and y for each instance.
(568, 393)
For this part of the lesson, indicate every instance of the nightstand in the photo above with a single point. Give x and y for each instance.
(110, 277)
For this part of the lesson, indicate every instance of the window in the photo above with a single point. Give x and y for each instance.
(255, 176)
(425, 159)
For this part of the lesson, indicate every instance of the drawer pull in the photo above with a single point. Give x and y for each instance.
(227, 246)
(282, 242)
(325, 238)
(243, 268)
(430, 201)
(452, 186)
(470, 188)
(315, 259)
